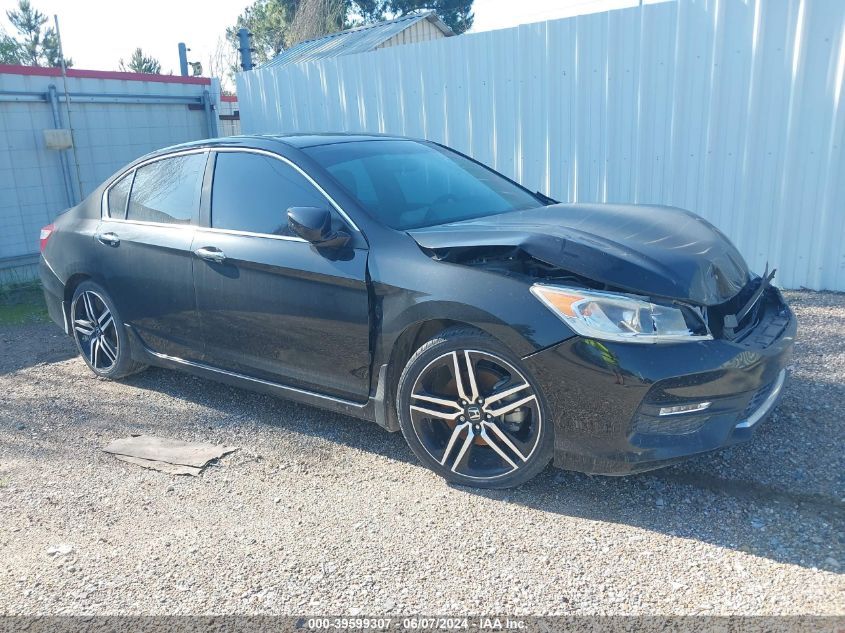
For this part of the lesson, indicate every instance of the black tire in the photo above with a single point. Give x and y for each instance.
(101, 338)
(474, 447)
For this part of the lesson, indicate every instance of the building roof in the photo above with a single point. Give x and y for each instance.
(358, 40)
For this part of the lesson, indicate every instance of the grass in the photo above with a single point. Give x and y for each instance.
(22, 304)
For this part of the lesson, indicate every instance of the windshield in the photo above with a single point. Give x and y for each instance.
(408, 184)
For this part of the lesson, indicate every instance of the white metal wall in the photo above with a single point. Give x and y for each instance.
(227, 126)
(114, 121)
(730, 108)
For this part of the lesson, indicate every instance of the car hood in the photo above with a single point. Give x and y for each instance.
(651, 250)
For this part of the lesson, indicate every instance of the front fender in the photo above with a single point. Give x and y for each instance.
(410, 288)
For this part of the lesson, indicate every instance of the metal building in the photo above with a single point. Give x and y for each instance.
(410, 29)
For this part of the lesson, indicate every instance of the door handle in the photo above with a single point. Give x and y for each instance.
(109, 239)
(211, 254)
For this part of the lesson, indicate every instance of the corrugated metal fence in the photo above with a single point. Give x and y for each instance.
(730, 108)
(116, 117)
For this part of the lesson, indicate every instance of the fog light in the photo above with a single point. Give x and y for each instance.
(684, 408)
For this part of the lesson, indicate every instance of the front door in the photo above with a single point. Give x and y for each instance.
(144, 245)
(273, 306)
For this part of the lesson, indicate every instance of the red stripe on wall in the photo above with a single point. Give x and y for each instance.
(232, 98)
(100, 74)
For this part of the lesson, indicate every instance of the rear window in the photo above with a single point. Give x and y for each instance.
(168, 190)
(118, 195)
(409, 184)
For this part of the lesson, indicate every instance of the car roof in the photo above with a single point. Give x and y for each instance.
(314, 139)
(299, 141)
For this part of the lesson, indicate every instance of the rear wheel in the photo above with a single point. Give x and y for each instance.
(471, 413)
(100, 335)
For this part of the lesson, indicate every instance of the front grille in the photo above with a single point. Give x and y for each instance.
(681, 424)
(763, 324)
(767, 333)
(716, 314)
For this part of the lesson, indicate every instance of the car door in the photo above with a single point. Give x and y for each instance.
(272, 305)
(144, 245)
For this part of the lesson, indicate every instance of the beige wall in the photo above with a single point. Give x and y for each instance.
(421, 31)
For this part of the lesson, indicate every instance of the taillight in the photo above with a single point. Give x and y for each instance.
(46, 232)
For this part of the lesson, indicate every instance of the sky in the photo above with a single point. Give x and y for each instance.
(96, 34)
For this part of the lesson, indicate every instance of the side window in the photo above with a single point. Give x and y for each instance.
(252, 192)
(168, 190)
(118, 195)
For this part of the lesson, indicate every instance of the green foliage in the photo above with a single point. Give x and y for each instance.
(9, 50)
(140, 63)
(457, 14)
(269, 22)
(35, 45)
(369, 11)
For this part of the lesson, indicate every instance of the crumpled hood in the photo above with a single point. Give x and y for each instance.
(650, 250)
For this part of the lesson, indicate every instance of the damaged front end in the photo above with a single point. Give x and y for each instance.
(513, 261)
(620, 275)
(645, 250)
(656, 264)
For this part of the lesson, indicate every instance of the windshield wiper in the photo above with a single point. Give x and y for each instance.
(544, 198)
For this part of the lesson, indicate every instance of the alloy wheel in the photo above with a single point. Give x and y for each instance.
(95, 330)
(476, 414)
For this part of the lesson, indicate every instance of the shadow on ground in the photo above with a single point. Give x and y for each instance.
(24, 339)
(24, 346)
(784, 491)
(785, 520)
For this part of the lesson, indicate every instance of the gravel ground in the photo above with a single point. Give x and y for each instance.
(319, 513)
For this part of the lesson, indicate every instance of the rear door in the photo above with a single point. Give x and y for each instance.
(275, 307)
(144, 245)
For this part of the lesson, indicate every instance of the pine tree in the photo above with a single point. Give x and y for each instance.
(140, 63)
(35, 45)
(10, 51)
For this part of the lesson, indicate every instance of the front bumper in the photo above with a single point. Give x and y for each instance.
(606, 398)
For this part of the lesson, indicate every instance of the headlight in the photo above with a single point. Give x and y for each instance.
(616, 317)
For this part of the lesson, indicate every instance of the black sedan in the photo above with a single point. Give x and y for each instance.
(402, 282)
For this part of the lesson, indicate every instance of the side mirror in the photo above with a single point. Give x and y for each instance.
(314, 224)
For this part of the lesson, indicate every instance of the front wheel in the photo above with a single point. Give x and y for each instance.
(100, 335)
(471, 413)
